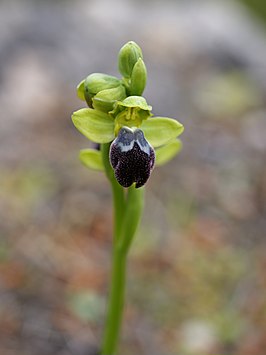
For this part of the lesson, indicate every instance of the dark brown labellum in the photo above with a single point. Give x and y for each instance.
(132, 157)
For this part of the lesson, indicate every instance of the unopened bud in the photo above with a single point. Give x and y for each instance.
(127, 58)
(97, 82)
(138, 78)
(105, 99)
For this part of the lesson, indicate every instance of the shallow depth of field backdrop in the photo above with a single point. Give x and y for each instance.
(197, 271)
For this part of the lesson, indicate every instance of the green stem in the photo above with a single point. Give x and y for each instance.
(127, 214)
(119, 209)
(116, 303)
(132, 216)
(117, 193)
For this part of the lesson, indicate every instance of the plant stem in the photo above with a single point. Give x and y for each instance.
(117, 193)
(127, 214)
(116, 303)
(132, 216)
(119, 209)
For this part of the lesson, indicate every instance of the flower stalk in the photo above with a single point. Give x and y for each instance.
(127, 214)
(116, 303)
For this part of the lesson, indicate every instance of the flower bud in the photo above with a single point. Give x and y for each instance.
(127, 58)
(97, 82)
(132, 157)
(105, 99)
(138, 78)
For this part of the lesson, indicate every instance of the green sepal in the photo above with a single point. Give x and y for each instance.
(127, 58)
(92, 159)
(105, 99)
(80, 90)
(161, 130)
(167, 152)
(138, 78)
(95, 125)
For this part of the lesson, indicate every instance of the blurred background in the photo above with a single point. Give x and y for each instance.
(197, 268)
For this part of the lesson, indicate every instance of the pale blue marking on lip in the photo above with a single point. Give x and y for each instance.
(141, 141)
(132, 157)
(125, 139)
(128, 136)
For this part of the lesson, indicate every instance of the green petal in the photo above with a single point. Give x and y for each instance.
(135, 101)
(95, 125)
(92, 159)
(80, 90)
(167, 152)
(160, 130)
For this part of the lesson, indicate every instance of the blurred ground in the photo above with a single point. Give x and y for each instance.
(197, 272)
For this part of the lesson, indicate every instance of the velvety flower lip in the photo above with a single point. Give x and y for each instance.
(131, 157)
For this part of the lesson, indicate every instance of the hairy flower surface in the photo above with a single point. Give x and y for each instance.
(132, 157)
